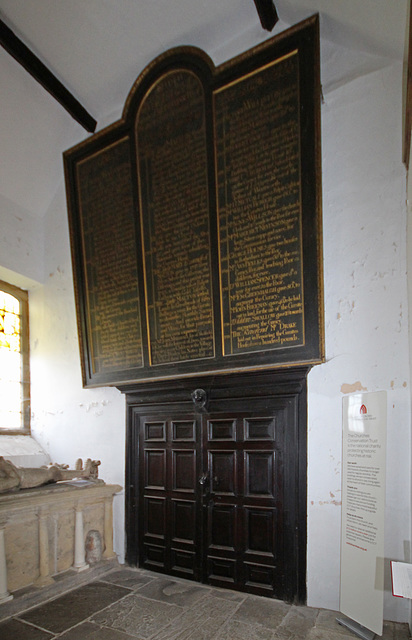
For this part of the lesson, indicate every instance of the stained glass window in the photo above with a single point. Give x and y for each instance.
(14, 379)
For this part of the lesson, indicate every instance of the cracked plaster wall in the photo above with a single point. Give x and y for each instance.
(366, 317)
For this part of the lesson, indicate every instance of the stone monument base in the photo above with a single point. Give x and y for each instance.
(43, 531)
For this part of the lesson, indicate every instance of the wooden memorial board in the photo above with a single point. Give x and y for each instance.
(195, 220)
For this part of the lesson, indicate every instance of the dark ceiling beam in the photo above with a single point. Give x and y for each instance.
(267, 13)
(20, 52)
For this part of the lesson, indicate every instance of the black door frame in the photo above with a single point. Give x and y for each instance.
(220, 390)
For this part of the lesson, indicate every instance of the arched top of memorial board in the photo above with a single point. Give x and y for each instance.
(184, 58)
(194, 58)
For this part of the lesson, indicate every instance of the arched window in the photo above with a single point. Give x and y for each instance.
(14, 360)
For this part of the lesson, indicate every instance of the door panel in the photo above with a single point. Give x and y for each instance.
(259, 473)
(155, 431)
(259, 428)
(222, 470)
(259, 527)
(222, 429)
(184, 431)
(183, 521)
(183, 470)
(222, 521)
(154, 531)
(155, 469)
(155, 517)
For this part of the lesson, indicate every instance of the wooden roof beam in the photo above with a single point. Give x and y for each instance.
(267, 13)
(38, 70)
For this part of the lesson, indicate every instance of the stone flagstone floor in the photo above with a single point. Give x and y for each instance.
(134, 604)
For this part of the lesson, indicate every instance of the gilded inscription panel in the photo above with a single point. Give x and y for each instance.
(257, 142)
(205, 200)
(109, 255)
(173, 183)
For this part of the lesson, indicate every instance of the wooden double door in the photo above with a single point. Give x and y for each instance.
(215, 493)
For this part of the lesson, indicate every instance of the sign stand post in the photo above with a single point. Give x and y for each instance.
(356, 628)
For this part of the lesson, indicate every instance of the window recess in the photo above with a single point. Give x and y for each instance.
(14, 360)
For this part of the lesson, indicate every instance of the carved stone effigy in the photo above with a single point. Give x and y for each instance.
(13, 478)
(43, 530)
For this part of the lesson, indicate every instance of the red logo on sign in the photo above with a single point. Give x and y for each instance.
(363, 409)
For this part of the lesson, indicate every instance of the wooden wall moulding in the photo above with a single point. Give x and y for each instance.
(195, 220)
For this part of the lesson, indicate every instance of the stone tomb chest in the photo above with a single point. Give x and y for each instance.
(43, 530)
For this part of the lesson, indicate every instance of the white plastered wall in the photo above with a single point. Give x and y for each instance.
(366, 318)
(68, 421)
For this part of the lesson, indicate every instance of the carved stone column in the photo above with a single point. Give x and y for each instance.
(5, 595)
(108, 528)
(80, 563)
(44, 578)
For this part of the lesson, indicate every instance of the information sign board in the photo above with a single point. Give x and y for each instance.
(363, 508)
